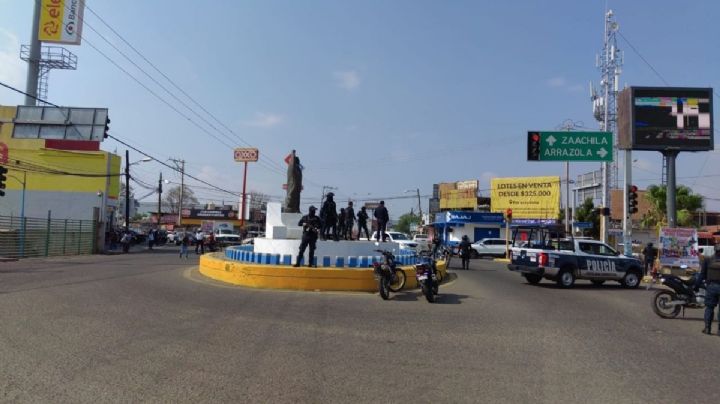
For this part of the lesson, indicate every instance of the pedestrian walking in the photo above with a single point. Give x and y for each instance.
(184, 243)
(328, 216)
(649, 257)
(464, 250)
(125, 241)
(311, 230)
(362, 218)
(341, 223)
(199, 242)
(349, 220)
(383, 217)
(151, 238)
(711, 275)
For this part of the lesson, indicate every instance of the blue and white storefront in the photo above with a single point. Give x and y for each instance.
(453, 225)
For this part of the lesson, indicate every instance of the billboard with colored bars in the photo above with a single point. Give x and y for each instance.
(528, 197)
(61, 21)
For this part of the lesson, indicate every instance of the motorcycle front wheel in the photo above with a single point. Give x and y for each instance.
(383, 288)
(661, 304)
(398, 282)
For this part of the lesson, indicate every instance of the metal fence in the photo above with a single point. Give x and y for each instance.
(33, 237)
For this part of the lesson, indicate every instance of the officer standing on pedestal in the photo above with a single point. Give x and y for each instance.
(328, 214)
(311, 229)
(362, 218)
(349, 220)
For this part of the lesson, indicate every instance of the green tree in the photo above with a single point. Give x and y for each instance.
(405, 221)
(587, 213)
(685, 201)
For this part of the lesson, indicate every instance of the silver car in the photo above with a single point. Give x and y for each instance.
(488, 247)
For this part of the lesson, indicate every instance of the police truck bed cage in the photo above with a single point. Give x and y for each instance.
(541, 236)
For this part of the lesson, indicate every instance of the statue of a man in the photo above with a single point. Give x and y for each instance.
(294, 185)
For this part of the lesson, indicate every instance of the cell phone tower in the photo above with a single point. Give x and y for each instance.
(609, 62)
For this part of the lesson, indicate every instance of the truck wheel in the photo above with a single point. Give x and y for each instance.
(597, 282)
(566, 278)
(631, 279)
(533, 279)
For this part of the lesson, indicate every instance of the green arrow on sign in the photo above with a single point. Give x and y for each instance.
(570, 146)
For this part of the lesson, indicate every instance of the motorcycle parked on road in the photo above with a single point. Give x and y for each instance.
(426, 275)
(390, 278)
(668, 303)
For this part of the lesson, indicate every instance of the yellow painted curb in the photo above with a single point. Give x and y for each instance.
(501, 260)
(287, 277)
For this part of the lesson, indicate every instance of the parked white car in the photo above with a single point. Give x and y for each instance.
(397, 237)
(488, 247)
(424, 242)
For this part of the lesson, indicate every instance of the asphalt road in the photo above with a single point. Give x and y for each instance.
(148, 327)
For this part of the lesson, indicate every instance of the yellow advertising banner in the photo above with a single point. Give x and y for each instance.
(61, 21)
(458, 195)
(528, 197)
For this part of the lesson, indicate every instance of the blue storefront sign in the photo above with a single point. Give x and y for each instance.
(470, 217)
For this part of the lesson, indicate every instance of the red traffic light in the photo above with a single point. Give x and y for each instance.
(508, 212)
(633, 188)
(535, 137)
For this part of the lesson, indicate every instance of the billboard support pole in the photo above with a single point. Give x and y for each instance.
(242, 214)
(568, 229)
(670, 156)
(627, 216)
(33, 72)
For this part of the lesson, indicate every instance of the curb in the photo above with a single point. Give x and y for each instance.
(216, 267)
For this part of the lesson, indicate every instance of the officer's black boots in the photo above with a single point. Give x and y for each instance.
(706, 330)
(297, 263)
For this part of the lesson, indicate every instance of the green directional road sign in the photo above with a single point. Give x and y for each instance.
(570, 146)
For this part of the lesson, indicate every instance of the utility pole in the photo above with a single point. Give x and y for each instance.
(33, 72)
(127, 190)
(181, 166)
(419, 206)
(159, 212)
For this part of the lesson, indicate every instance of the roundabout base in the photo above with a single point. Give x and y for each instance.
(216, 267)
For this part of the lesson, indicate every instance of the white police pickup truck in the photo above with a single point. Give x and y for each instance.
(566, 260)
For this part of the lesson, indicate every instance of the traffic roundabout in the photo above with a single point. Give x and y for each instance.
(242, 267)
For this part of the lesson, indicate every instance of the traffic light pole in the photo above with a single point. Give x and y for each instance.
(627, 213)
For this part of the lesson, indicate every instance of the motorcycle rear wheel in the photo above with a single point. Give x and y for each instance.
(399, 281)
(661, 306)
(427, 291)
(383, 288)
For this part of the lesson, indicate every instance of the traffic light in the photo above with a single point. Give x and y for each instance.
(533, 146)
(606, 211)
(632, 199)
(3, 177)
(107, 128)
(508, 214)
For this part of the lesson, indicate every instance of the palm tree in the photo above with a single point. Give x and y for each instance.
(685, 201)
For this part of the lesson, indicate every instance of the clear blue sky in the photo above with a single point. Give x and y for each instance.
(376, 96)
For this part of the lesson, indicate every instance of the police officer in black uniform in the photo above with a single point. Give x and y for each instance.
(311, 229)
(349, 220)
(328, 214)
(362, 218)
(341, 223)
(382, 216)
(711, 274)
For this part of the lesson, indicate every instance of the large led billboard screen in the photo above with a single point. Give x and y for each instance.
(666, 118)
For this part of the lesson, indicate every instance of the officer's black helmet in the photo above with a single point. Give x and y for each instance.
(312, 208)
(330, 195)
